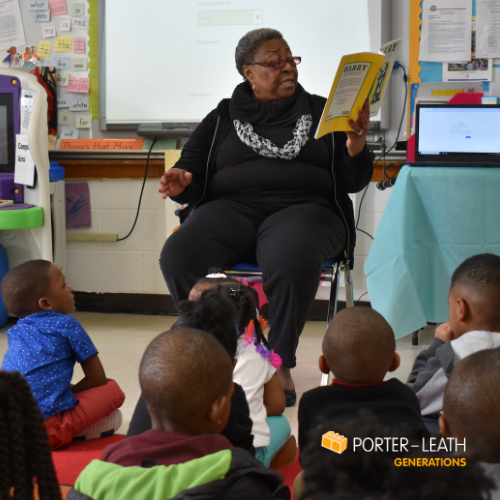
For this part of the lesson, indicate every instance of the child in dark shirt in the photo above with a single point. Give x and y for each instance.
(213, 314)
(44, 346)
(359, 349)
(186, 380)
(470, 410)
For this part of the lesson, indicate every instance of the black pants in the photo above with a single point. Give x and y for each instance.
(290, 246)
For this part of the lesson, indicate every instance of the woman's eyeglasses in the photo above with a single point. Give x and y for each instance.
(292, 61)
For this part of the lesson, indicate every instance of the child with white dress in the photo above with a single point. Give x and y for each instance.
(256, 371)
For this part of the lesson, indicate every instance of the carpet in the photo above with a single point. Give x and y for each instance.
(72, 459)
(290, 472)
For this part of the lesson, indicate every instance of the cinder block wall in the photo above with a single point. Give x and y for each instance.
(131, 266)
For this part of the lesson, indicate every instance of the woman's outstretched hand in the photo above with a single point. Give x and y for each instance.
(356, 139)
(174, 181)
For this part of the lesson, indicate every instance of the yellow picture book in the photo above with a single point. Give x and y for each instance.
(358, 76)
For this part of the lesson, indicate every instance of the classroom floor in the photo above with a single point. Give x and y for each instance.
(122, 338)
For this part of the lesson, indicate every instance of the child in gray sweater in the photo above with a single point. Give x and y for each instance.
(474, 324)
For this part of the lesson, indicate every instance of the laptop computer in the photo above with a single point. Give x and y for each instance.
(453, 135)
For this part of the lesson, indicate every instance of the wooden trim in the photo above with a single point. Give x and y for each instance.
(148, 303)
(134, 169)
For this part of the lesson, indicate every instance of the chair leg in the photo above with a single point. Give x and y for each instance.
(349, 288)
(332, 309)
(414, 338)
(334, 294)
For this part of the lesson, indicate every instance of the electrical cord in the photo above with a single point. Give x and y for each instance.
(142, 191)
(392, 179)
(359, 300)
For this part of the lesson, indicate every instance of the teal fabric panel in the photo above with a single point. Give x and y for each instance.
(436, 217)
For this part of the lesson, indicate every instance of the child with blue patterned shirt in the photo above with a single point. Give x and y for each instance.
(44, 347)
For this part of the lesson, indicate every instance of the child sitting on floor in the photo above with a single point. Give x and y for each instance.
(213, 313)
(186, 380)
(470, 410)
(44, 346)
(474, 325)
(256, 371)
(25, 452)
(359, 349)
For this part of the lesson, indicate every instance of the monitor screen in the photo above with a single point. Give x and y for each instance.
(451, 130)
(173, 61)
(4, 138)
(7, 133)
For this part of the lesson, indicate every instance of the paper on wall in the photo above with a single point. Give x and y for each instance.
(80, 104)
(79, 64)
(62, 79)
(65, 23)
(446, 33)
(487, 28)
(48, 30)
(12, 32)
(79, 85)
(80, 23)
(44, 49)
(58, 7)
(77, 9)
(38, 4)
(41, 16)
(64, 100)
(478, 70)
(64, 118)
(83, 121)
(68, 133)
(79, 45)
(62, 63)
(24, 172)
(26, 101)
(63, 44)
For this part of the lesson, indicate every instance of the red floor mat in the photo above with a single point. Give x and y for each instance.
(72, 459)
(290, 472)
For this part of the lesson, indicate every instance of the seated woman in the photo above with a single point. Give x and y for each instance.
(260, 188)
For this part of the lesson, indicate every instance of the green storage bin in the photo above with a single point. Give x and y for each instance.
(25, 218)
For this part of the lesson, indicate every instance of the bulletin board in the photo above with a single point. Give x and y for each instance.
(80, 47)
(421, 71)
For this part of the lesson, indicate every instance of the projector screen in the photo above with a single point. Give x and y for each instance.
(173, 61)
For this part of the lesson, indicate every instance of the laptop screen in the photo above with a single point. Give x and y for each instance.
(461, 132)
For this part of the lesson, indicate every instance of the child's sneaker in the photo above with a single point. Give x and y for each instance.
(105, 427)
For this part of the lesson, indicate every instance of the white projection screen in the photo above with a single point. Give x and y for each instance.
(173, 61)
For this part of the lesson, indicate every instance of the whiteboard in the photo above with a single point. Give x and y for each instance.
(172, 62)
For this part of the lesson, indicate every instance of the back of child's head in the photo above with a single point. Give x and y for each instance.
(478, 279)
(24, 447)
(357, 474)
(25, 285)
(212, 313)
(359, 345)
(245, 298)
(182, 372)
(471, 402)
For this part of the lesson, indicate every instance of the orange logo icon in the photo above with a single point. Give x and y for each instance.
(334, 442)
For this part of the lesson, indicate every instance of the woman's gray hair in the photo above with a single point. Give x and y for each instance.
(250, 43)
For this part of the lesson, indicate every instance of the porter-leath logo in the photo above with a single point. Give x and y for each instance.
(334, 442)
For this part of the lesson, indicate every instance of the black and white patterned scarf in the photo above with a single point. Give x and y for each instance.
(267, 148)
